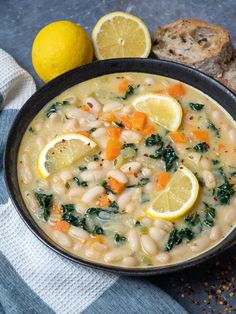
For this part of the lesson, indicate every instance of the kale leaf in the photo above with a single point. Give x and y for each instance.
(131, 145)
(212, 127)
(195, 106)
(130, 91)
(55, 107)
(210, 214)
(154, 139)
(45, 203)
(177, 236)
(224, 192)
(169, 157)
(119, 238)
(192, 219)
(201, 147)
(80, 182)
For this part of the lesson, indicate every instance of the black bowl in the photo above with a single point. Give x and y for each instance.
(169, 69)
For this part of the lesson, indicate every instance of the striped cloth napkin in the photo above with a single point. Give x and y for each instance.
(33, 279)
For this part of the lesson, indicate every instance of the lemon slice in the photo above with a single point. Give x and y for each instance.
(177, 198)
(162, 109)
(63, 151)
(120, 35)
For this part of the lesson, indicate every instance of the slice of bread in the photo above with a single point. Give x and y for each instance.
(228, 77)
(194, 43)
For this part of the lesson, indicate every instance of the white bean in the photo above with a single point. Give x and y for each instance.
(102, 141)
(75, 192)
(99, 247)
(76, 113)
(58, 187)
(127, 109)
(55, 117)
(93, 193)
(149, 81)
(209, 179)
(117, 254)
(131, 136)
(43, 184)
(94, 175)
(215, 233)
(72, 125)
(99, 132)
(93, 165)
(78, 233)
(157, 234)
(216, 116)
(25, 160)
(93, 104)
(40, 142)
(133, 166)
(107, 164)
(163, 224)
(112, 197)
(149, 187)
(230, 215)
(146, 221)
(163, 258)
(112, 106)
(33, 204)
(71, 99)
(62, 239)
(130, 208)
(124, 198)
(66, 175)
(205, 163)
(134, 240)
(146, 172)
(38, 126)
(199, 244)
(118, 175)
(92, 254)
(232, 135)
(130, 261)
(149, 245)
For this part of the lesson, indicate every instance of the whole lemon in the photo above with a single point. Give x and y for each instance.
(60, 47)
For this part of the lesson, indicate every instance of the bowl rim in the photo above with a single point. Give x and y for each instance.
(96, 69)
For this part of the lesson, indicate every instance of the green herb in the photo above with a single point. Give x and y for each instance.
(82, 168)
(137, 223)
(131, 145)
(201, 147)
(195, 106)
(45, 203)
(192, 219)
(75, 221)
(154, 139)
(92, 130)
(119, 238)
(68, 208)
(115, 206)
(102, 182)
(224, 192)
(119, 124)
(130, 91)
(212, 127)
(80, 182)
(233, 174)
(215, 162)
(97, 230)
(31, 129)
(222, 173)
(95, 157)
(169, 157)
(67, 185)
(142, 182)
(95, 211)
(177, 236)
(210, 214)
(55, 107)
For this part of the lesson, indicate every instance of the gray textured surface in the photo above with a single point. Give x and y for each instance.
(20, 20)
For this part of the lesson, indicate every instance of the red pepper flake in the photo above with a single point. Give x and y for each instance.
(89, 104)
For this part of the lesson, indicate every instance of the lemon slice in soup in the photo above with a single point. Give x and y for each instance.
(162, 109)
(63, 151)
(177, 198)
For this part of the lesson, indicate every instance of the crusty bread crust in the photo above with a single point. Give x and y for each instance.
(194, 43)
(228, 77)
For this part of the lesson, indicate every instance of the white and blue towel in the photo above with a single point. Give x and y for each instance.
(34, 279)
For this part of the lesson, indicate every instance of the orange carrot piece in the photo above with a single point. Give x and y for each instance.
(104, 201)
(178, 137)
(177, 90)
(85, 108)
(148, 130)
(123, 85)
(56, 209)
(163, 179)
(109, 117)
(62, 226)
(138, 119)
(200, 135)
(112, 149)
(126, 121)
(96, 239)
(85, 133)
(116, 186)
(220, 147)
(114, 132)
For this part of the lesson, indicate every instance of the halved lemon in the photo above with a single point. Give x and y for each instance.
(177, 198)
(119, 35)
(162, 109)
(63, 151)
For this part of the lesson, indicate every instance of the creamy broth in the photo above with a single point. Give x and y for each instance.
(106, 223)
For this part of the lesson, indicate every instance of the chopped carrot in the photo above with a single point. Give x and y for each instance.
(163, 179)
(56, 209)
(109, 117)
(103, 201)
(220, 147)
(126, 121)
(148, 130)
(85, 108)
(159, 91)
(200, 135)
(85, 133)
(96, 239)
(112, 149)
(116, 186)
(178, 137)
(114, 132)
(177, 90)
(62, 226)
(138, 119)
(123, 85)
